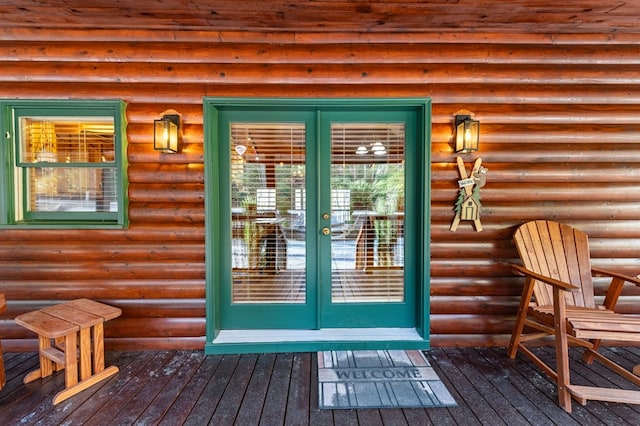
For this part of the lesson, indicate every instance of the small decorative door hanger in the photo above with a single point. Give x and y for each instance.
(468, 203)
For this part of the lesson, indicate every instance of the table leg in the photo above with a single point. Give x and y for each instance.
(71, 360)
(98, 348)
(58, 343)
(46, 365)
(85, 353)
(85, 384)
(93, 347)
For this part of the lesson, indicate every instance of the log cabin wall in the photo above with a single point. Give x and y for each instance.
(560, 135)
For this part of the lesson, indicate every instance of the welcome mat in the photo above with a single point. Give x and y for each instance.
(379, 379)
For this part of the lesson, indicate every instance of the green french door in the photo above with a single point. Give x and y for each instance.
(366, 278)
(266, 249)
(319, 214)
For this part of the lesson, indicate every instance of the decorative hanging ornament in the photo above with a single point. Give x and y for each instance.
(468, 204)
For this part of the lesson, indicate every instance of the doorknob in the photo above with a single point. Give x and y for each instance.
(326, 231)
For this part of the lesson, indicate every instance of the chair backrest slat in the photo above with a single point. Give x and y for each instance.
(558, 251)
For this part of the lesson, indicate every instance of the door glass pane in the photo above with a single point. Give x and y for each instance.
(367, 200)
(268, 217)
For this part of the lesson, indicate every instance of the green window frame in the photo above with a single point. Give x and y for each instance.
(63, 164)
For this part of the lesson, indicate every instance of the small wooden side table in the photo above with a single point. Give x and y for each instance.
(64, 331)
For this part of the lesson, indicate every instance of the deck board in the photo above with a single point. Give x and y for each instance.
(516, 391)
(187, 387)
(193, 393)
(208, 401)
(274, 410)
(179, 380)
(297, 412)
(256, 391)
(465, 393)
(508, 404)
(234, 392)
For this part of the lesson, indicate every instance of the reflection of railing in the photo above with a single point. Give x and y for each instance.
(379, 241)
(259, 243)
(340, 209)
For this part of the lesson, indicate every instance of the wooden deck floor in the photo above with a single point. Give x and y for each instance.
(186, 387)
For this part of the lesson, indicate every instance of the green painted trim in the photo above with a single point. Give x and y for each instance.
(10, 113)
(62, 225)
(212, 222)
(424, 307)
(123, 176)
(64, 165)
(6, 154)
(69, 217)
(312, 346)
(316, 103)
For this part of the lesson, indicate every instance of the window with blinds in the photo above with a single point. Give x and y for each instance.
(67, 163)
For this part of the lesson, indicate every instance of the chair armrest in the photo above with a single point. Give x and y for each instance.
(607, 273)
(547, 280)
(615, 288)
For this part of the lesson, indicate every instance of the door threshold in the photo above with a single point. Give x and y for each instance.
(257, 341)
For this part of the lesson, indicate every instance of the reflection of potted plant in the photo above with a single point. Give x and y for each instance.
(250, 231)
(386, 230)
(360, 194)
(250, 205)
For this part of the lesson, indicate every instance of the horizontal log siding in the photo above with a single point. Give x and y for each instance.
(560, 135)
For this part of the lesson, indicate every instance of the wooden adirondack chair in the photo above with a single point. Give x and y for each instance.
(558, 271)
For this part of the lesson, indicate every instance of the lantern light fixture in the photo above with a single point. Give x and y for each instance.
(467, 134)
(165, 133)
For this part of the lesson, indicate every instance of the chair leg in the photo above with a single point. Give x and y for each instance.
(587, 357)
(515, 336)
(518, 327)
(562, 350)
(610, 300)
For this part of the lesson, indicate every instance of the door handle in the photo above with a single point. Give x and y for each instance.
(326, 231)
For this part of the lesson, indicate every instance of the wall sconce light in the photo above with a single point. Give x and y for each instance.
(467, 134)
(165, 133)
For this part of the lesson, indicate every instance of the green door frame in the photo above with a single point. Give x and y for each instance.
(420, 192)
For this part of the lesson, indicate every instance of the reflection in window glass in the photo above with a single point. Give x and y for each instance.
(68, 164)
(268, 217)
(367, 213)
